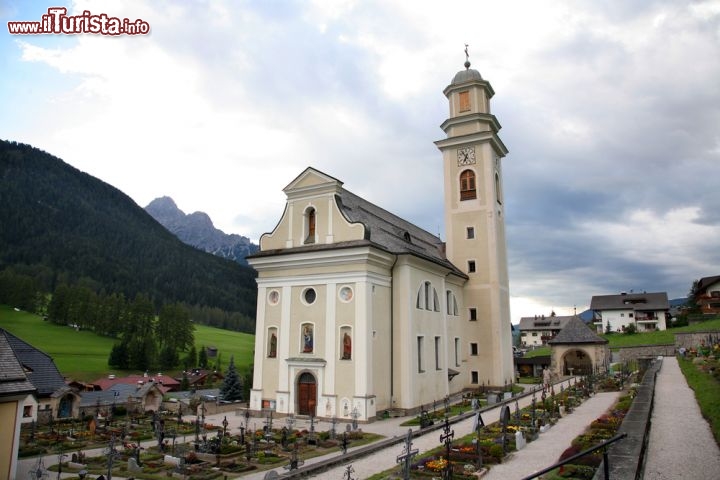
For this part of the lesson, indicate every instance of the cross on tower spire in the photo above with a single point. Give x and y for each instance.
(467, 57)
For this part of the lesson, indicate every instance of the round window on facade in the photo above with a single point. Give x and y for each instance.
(346, 294)
(273, 297)
(309, 296)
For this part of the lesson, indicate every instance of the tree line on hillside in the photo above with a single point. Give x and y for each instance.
(98, 311)
(62, 226)
(148, 337)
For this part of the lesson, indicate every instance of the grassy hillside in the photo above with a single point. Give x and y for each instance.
(83, 355)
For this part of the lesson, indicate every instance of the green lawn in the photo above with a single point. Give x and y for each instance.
(707, 391)
(83, 355)
(664, 337)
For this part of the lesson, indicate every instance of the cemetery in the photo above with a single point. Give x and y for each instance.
(494, 442)
(183, 449)
(196, 449)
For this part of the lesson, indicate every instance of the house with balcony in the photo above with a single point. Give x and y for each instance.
(707, 295)
(646, 311)
(538, 330)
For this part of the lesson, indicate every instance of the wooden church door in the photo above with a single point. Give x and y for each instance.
(307, 394)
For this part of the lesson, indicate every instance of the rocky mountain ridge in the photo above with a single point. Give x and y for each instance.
(197, 229)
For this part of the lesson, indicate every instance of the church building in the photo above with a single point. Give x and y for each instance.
(360, 311)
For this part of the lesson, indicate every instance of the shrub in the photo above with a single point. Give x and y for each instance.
(496, 451)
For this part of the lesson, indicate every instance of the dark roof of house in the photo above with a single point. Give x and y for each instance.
(576, 331)
(117, 394)
(13, 380)
(39, 366)
(631, 301)
(382, 229)
(705, 282)
(544, 323)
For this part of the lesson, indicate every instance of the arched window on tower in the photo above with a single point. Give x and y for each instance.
(310, 225)
(467, 185)
(498, 192)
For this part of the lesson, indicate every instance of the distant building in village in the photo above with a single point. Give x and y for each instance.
(538, 330)
(646, 311)
(707, 295)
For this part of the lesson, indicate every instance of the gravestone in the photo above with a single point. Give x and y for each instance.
(507, 395)
(133, 466)
(170, 460)
(519, 441)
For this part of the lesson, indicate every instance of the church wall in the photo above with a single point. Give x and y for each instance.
(345, 369)
(380, 338)
(420, 383)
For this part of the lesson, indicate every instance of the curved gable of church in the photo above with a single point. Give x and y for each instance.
(312, 215)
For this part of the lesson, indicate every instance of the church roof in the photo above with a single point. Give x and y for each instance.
(467, 75)
(391, 232)
(576, 331)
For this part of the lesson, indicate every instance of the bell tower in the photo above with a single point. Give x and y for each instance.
(475, 227)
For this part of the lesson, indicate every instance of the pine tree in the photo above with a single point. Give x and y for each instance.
(231, 388)
(202, 357)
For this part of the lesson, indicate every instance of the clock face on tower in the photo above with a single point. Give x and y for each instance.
(466, 156)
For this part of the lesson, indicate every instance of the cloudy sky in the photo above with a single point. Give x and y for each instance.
(611, 112)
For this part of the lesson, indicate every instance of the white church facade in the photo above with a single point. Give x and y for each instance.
(360, 311)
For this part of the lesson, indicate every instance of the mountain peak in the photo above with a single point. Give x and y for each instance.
(165, 210)
(197, 229)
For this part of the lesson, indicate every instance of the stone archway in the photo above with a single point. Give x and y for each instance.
(306, 394)
(578, 360)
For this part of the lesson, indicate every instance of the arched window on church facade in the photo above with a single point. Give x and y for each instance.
(452, 308)
(468, 189)
(310, 219)
(427, 298)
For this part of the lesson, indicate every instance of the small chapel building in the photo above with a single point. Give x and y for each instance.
(360, 311)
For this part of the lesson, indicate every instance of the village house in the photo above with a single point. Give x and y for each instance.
(646, 311)
(536, 331)
(52, 398)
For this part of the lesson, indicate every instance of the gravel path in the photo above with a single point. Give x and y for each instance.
(536, 456)
(681, 444)
(547, 449)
